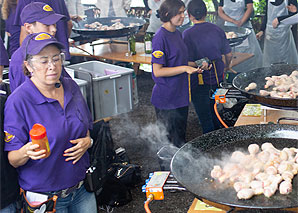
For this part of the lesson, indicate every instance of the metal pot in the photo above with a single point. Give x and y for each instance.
(258, 76)
(192, 164)
(241, 32)
(80, 27)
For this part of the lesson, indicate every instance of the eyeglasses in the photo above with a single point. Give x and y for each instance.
(45, 61)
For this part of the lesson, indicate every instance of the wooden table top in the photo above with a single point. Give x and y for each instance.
(119, 52)
(268, 115)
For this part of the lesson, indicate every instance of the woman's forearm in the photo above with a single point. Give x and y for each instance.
(18, 157)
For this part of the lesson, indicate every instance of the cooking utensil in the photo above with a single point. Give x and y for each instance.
(258, 76)
(127, 30)
(193, 162)
(241, 32)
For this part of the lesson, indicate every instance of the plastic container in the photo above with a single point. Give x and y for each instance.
(165, 155)
(38, 136)
(113, 89)
(83, 86)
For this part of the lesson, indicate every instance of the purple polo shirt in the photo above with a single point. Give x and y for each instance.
(59, 7)
(27, 106)
(16, 71)
(169, 50)
(14, 39)
(3, 54)
(207, 40)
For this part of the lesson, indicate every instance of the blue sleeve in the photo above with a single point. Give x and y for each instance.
(226, 48)
(158, 50)
(17, 19)
(3, 54)
(15, 127)
(64, 10)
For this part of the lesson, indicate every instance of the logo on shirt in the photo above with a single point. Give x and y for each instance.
(8, 137)
(47, 8)
(42, 36)
(157, 54)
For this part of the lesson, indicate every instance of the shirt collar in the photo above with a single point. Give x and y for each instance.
(38, 98)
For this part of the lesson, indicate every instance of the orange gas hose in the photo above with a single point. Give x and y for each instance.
(146, 204)
(218, 116)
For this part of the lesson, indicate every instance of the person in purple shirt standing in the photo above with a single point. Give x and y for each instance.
(64, 26)
(8, 13)
(36, 17)
(57, 104)
(3, 58)
(206, 40)
(170, 94)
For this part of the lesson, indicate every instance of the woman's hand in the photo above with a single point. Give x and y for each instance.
(259, 35)
(206, 66)
(292, 8)
(275, 23)
(31, 153)
(76, 152)
(191, 70)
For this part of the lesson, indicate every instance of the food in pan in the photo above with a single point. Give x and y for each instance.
(115, 26)
(282, 86)
(261, 170)
(231, 34)
(251, 86)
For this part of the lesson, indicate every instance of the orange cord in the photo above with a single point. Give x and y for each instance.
(146, 204)
(218, 116)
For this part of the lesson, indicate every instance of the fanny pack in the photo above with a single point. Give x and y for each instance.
(46, 206)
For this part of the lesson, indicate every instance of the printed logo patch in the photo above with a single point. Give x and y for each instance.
(42, 36)
(8, 137)
(47, 8)
(157, 54)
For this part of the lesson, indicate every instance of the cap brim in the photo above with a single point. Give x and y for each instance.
(37, 49)
(52, 19)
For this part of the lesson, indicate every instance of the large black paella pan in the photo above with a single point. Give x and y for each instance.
(192, 164)
(242, 80)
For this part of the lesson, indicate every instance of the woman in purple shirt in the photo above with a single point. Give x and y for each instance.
(170, 94)
(57, 104)
(206, 40)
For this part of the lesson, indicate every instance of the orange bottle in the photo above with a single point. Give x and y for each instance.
(38, 136)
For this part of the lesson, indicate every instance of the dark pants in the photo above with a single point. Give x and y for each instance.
(200, 97)
(175, 121)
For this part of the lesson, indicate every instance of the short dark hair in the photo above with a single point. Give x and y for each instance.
(197, 8)
(169, 8)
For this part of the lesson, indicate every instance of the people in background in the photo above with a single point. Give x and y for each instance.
(237, 13)
(64, 27)
(3, 59)
(8, 13)
(112, 8)
(35, 17)
(155, 22)
(171, 73)
(206, 41)
(279, 45)
(57, 103)
(75, 8)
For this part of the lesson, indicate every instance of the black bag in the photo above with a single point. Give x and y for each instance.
(128, 174)
(47, 206)
(101, 155)
(114, 193)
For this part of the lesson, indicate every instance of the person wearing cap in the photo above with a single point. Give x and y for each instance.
(58, 105)
(206, 40)
(3, 59)
(36, 17)
(64, 26)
